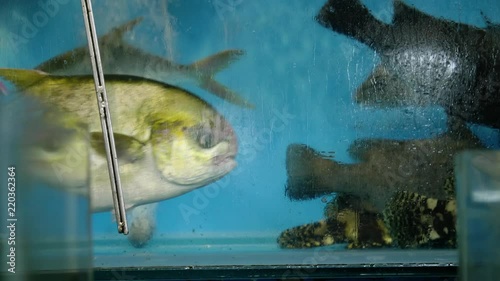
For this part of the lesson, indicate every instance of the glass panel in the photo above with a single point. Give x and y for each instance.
(478, 196)
(46, 205)
(343, 120)
(45, 208)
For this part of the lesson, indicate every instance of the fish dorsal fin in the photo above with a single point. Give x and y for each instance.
(361, 149)
(493, 29)
(406, 13)
(128, 148)
(403, 12)
(490, 24)
(22, 78)
(114, 37)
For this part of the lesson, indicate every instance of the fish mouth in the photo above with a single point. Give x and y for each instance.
(229, 157)
(223, 160)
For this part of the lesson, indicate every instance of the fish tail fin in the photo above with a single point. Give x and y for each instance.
(311, 235)
(353, 19)
(213, 64)
(22, 78)
(310, 175)
(224, 92)
(116, 34)
(207, 68)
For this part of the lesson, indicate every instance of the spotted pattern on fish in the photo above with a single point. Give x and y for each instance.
(348, 220)
(418, 221)
(410, 220)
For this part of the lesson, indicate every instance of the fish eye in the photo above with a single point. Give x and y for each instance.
(203, 135)
(206, 140)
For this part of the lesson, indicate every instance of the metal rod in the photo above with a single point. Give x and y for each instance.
(107, 129)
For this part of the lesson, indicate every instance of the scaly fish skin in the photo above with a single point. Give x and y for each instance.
(168, 141)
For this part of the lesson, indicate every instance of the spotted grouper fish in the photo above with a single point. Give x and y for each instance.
(169, 142)
(424, 60)
(410, 220)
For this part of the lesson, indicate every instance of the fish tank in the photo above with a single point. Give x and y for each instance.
(478, 186)
(253, 139)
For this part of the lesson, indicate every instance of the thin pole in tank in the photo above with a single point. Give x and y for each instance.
(107, 129)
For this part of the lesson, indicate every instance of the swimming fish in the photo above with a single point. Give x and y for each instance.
(347, 219)
(119, 57)
(168, 141)
(424, 60)
(384, 167)
(400, 193)
(409, 220)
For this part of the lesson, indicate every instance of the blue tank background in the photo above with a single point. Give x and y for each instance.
(299, 75)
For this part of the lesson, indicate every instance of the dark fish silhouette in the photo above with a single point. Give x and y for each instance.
(424, 60)
(399, 193)
(385, 167)
(119, 57)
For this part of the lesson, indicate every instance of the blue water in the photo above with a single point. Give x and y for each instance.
(292, 67)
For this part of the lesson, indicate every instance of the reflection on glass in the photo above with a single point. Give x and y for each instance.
(478, 204)
(47, 172)
(259, 133)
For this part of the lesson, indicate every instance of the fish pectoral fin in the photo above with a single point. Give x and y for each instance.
(360, 149)
(142, 224)
(22, 78)
(128, 148)
(207, 68)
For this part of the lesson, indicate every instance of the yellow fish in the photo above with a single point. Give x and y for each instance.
(168, 141)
